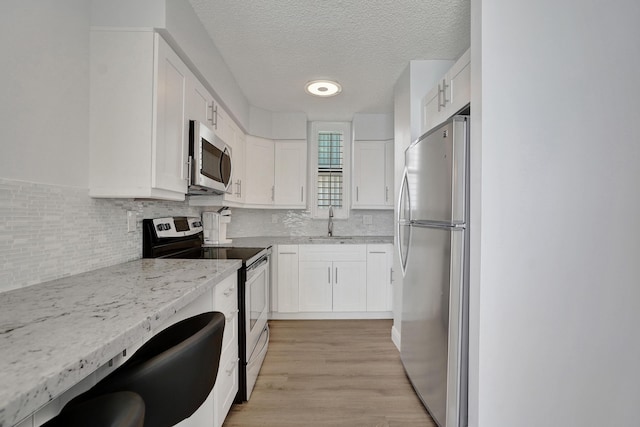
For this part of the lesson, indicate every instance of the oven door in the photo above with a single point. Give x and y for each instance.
(256, 301)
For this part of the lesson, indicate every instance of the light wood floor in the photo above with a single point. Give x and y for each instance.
(331, 373)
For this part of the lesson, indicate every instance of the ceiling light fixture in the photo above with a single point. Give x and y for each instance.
(323, 88)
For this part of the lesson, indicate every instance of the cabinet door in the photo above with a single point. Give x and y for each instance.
(199, 102)
(460, 83)
(315, 286)
(169, 148)
(388, 174)
(369, 174)
(238, 160)
(290, 173)
(349, 286)
(379, 259)
(287, 279)
(259, 171)
(432, 113)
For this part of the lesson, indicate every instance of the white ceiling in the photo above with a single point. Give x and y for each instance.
(274, 47)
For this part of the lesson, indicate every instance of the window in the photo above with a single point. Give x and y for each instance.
(329, 183)
(329, 149)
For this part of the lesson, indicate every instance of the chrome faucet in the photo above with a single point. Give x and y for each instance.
(330, 225)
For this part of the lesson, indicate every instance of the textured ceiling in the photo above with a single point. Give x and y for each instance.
(274, 47)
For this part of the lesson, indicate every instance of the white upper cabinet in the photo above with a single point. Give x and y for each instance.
(275, 173)
(238, 153)
(372, 175)
(201, 105)
(138, 127)
(451, 94)
(290, 174)
(259, 172)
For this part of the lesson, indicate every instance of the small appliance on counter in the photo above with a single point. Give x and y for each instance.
(215, 226)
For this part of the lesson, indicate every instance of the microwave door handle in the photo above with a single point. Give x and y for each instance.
(189, 169)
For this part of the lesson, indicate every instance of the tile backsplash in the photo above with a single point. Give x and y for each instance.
(270, 222)
(49, 231)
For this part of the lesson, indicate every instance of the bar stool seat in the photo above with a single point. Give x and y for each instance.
(174, 371)
(121, 409)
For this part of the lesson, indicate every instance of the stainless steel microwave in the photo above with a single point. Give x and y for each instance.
(209, 161)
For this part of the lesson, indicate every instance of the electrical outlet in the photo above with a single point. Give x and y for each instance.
(367, 219)
(131, 221)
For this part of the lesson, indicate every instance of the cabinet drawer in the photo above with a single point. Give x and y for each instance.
(225, 294)
(230, 337)
(333, 252)
(226, 386)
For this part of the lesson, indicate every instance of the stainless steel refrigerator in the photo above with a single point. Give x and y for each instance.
(433, 240)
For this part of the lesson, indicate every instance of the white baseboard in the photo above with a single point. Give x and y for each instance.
(395, 337)
(332, 315)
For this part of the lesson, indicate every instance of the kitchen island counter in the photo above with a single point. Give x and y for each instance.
(54, 334)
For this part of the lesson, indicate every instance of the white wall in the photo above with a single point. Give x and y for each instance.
(44, 118)
(179, 24)
(49, 226)
(372, 127)
(556, 292)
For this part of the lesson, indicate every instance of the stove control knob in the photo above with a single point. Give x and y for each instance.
(167, 226)
(159, 227)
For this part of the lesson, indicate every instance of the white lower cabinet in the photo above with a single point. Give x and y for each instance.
(225, 300)
(332, 278)
(286, 277)
(379, 277)
(333, 281)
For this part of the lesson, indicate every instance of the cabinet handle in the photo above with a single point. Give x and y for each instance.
(189, 163)
(232, 315)
(302, 193)
(443, 103)
(391, 275)
(233, 366)
(287, 253)
(357, 194)
(273, 193)
(214, 111)
(336, 275)
(377, 252)
(329, 275)
(386, 194)
(210, 108)
(240, 186)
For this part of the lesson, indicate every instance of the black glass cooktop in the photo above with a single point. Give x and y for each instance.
(244, 254)
(247, 255)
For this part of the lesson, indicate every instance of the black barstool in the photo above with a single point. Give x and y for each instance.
(121, 409)
(173, 372)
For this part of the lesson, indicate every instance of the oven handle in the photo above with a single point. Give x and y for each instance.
(257, 353)
(252, 269)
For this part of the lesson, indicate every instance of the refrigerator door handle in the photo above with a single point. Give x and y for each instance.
(404, 222)
(439, 225)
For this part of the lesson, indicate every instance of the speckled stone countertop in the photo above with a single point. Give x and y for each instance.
(306, 240)
(54, 334)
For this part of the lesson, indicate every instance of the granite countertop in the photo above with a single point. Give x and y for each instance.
(54, 334)
(306, 240)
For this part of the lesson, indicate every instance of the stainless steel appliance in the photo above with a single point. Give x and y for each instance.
(182, 238)
(433, 236)
(209, 161)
